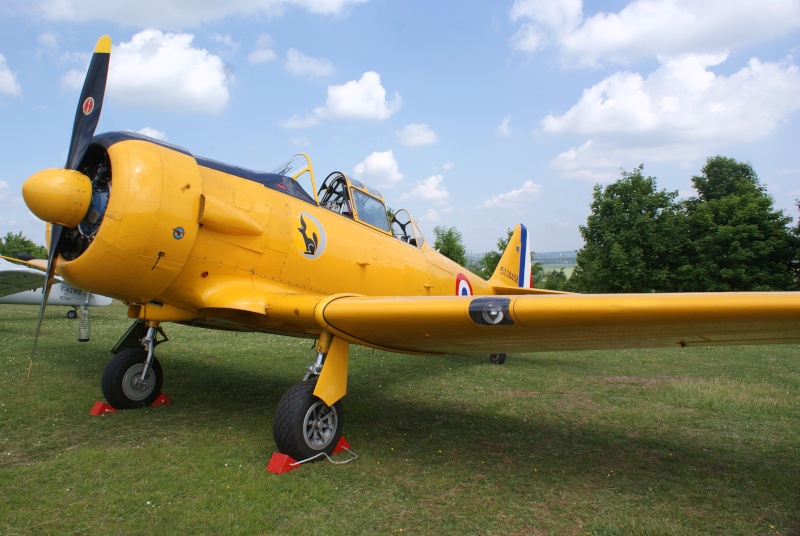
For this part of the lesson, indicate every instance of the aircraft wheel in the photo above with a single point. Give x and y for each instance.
(71, 314)
(122, 385)
(497, 359)
(304, 425)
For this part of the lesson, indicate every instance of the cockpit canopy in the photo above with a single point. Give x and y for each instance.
(353, 199)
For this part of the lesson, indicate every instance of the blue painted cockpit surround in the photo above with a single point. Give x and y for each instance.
(273, 181)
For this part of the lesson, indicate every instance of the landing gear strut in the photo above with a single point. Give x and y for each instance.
(305, 425)
(133, 377)
(497, 359)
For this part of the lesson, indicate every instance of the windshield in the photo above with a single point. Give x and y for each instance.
(370, 210)
(300, 169)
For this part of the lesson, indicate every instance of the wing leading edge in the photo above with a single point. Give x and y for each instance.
(474, 325)
(15, 278)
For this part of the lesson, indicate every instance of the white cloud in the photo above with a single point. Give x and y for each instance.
(300, 64)
(49, 41)
(681, 110)
(226, 41)
(430, 190)
(164, 71)
(9, 198)
(417, 134)
(527, 192)
(504, 129)
(357, 99)
(379, 169)
(649, 28)
(153, 133)
(360, 99)
(263, 52)
(432, 216)
(544, 21)
(179, 13)
(8, 80)
(593, 162)
(448, 166)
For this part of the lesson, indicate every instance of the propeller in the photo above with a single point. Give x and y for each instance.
(62, 197)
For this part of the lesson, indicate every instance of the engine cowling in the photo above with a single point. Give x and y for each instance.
(145, 224)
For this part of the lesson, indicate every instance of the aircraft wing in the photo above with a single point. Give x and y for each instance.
(16, 278)
(494, 324)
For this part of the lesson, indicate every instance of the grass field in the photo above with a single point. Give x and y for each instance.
(691, 441)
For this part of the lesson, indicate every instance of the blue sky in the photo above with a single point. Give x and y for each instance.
(477, 114)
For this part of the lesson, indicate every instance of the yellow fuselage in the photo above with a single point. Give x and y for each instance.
(181, 241)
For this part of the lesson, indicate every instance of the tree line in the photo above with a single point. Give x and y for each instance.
(638, 238)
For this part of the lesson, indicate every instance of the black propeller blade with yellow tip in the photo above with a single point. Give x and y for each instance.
(63, 196)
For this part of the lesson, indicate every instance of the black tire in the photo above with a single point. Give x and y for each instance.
(304, 425)
(497, 359)
(121, 385)
(72, 314)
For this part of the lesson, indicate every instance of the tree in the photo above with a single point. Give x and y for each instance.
(553, 280)
(488, 263)
(449, 243)
(14, 244)
(735, 239)
(632, 238)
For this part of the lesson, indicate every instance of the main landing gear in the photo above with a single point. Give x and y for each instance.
(497, 359)
(133, 377)
(305, 425)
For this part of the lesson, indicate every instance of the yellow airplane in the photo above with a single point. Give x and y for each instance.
(185, 239)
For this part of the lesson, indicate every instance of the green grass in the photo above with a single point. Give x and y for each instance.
(691, 441)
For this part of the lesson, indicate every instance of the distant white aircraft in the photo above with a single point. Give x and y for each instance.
(22, 285)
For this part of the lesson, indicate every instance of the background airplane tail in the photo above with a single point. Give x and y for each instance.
(514, 268)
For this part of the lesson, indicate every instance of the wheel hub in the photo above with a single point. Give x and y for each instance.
(321, 422)
(134, 386)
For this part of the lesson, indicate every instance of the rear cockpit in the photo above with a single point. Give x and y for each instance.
(353, 199)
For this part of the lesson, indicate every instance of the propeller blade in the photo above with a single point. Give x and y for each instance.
(56, 231)
(91, 102)
(86, 118)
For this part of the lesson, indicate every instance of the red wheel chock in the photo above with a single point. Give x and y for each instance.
(101, 408)
(162, 400)
(283, 463)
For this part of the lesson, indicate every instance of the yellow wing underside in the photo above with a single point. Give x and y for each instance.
(491, 324)
(567, 322)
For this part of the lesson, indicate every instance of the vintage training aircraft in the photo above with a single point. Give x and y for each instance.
(19, 285)
(181, 238)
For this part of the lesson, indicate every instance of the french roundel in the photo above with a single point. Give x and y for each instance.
(463, 288)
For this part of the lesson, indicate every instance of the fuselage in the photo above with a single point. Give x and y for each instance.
(182, 237)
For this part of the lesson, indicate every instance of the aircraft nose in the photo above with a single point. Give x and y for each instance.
(58, 196)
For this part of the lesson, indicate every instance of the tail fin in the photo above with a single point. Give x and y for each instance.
(514, 268)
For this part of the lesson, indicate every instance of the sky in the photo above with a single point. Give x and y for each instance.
(477, 115)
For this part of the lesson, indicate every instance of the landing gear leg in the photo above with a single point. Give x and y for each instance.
(497, 359)
(304, 424)
(133, 377)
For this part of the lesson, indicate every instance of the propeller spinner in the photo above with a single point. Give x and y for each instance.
(63, 197)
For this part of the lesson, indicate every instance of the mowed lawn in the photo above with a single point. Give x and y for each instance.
(679, 441)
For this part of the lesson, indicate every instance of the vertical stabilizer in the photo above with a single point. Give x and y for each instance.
(514, 268)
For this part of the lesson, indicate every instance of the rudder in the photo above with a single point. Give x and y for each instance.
(514, 268)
